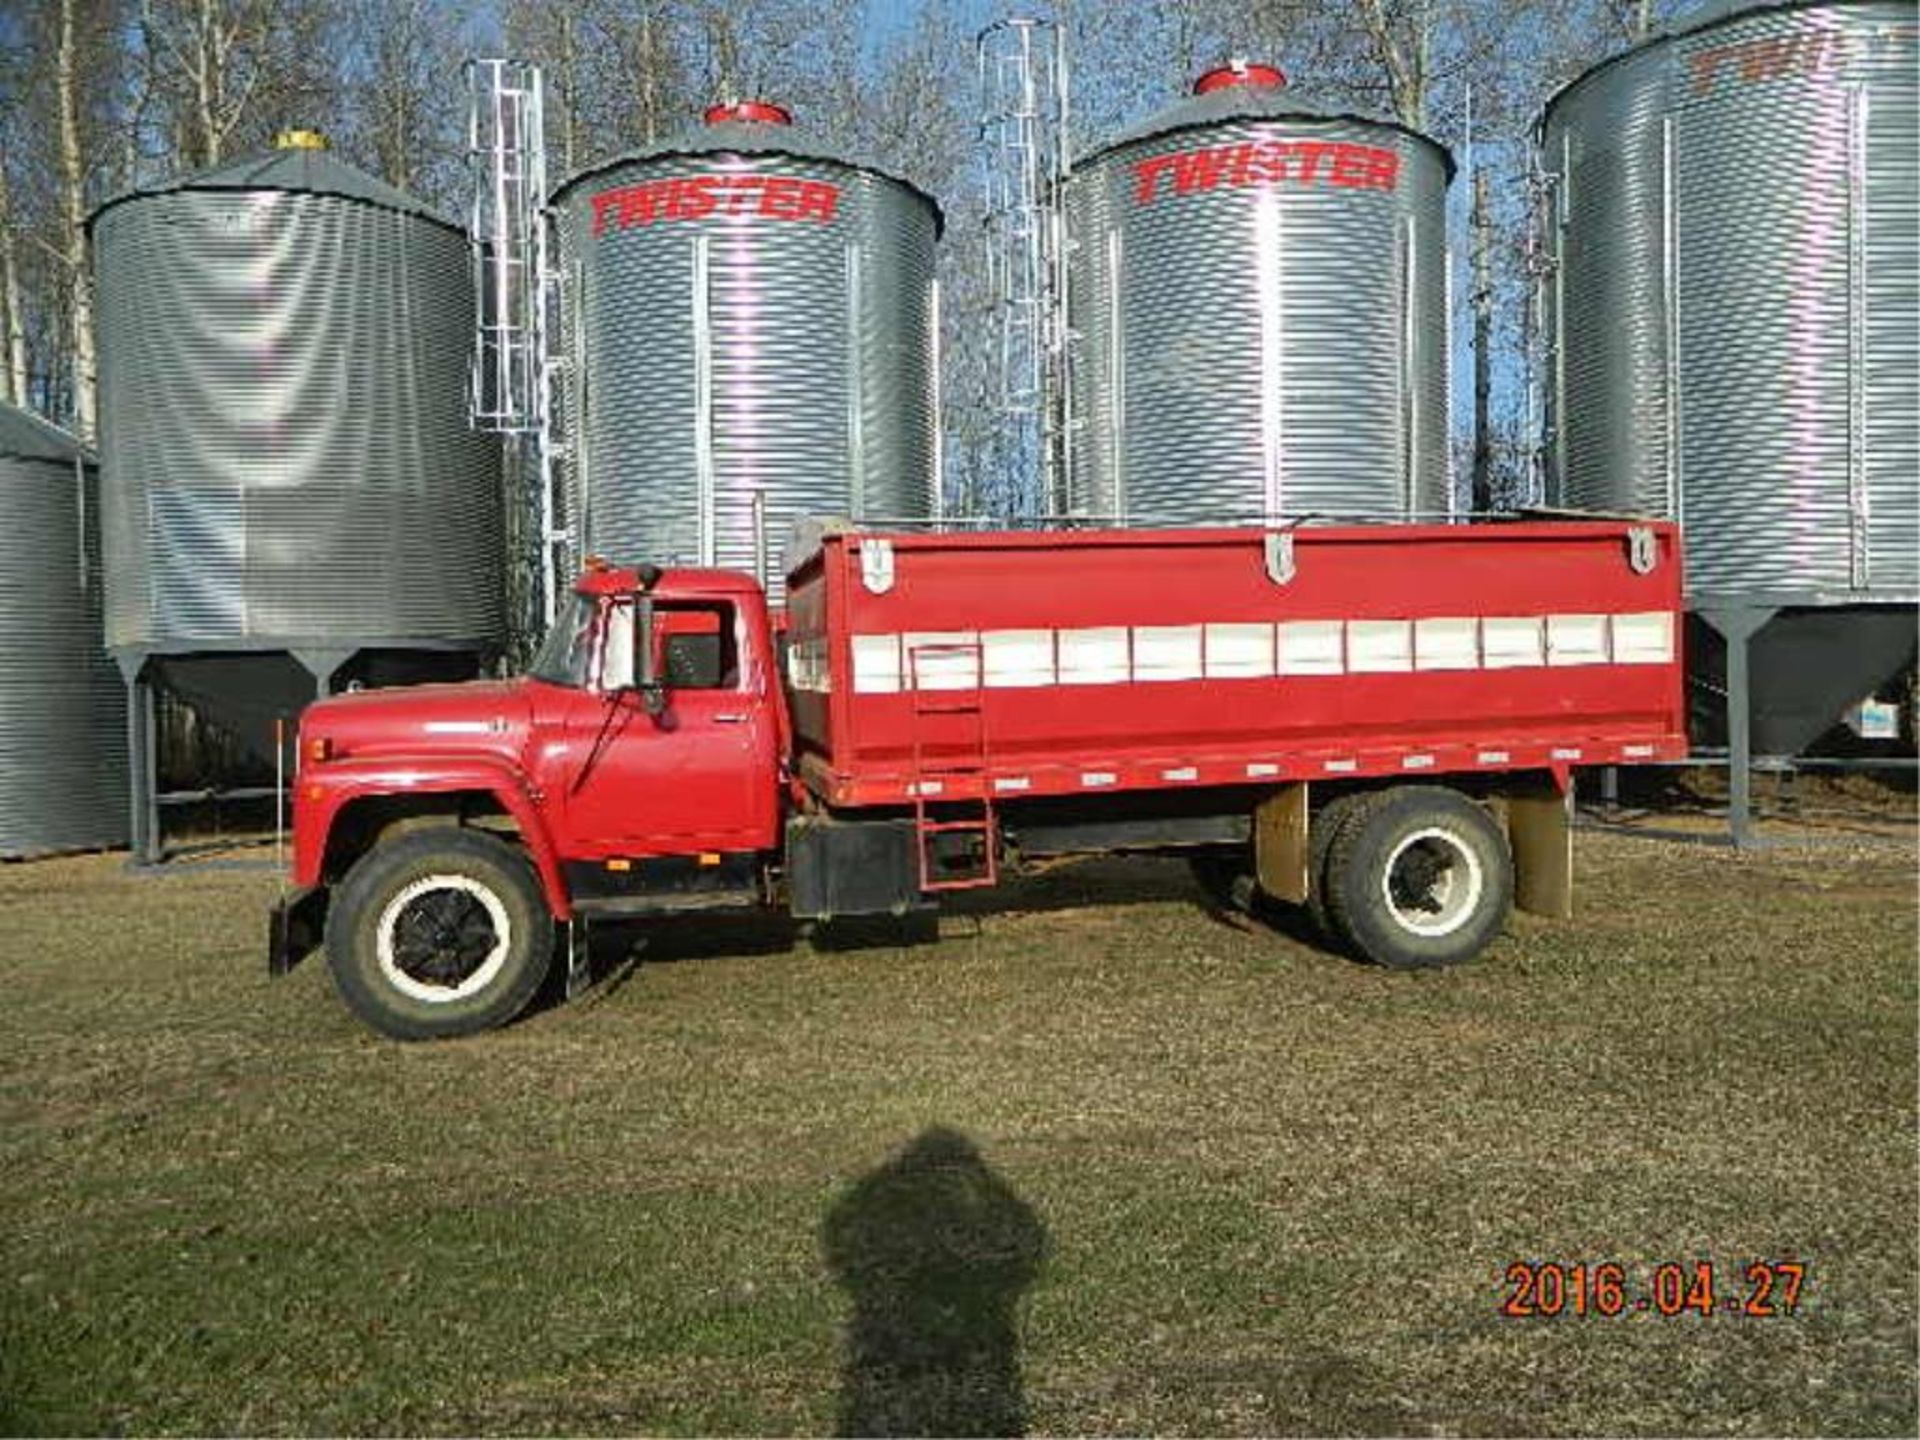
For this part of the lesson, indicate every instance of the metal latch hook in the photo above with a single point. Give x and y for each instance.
(1280, 562)
(1643, 554)
(876, 565)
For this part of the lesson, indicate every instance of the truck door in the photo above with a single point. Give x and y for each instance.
(700, 776)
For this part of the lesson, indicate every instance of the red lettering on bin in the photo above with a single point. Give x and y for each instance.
(1339, 163)
(697, 197)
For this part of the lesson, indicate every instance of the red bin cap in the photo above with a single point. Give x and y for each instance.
(749, 112)
(1239, 72)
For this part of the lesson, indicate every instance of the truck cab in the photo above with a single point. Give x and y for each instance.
(637, 768)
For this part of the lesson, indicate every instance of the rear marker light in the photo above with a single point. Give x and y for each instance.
(709, 858)
(620, 866)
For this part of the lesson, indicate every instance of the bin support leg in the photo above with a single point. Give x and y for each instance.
(143, 754)
(1737, 626)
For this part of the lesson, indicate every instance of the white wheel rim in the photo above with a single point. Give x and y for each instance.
(475, 980)
(1432, 882)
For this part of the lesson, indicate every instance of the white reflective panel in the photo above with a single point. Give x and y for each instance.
(1509, 641)
(1643, 639)
(1239, 651)
(1166, 652)
(1451, 643)
(876, 664)
(1017, 658)
(1576, 639)
(942, 659)
(1096, 656)
(1312, 647)
(1376, 646)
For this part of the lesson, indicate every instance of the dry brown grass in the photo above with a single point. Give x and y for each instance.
(1279, 1190)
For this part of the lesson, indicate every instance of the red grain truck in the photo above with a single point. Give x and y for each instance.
(1376, 722)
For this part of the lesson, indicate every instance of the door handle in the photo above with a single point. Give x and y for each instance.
(730, 719)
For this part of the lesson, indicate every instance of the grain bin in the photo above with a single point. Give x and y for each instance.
(749, 313)
(1257, 294)
(291, 492)
(63, 778)
(1732, 304)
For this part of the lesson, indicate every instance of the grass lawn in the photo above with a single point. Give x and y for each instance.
(1091, 1168)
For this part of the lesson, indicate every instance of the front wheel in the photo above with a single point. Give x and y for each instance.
(1419, 876)
(442, 932)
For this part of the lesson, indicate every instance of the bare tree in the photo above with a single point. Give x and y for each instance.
(403, 98)
(13, 327)
(69, 75)
(223, 74)
(213, 52)
(1400, 33)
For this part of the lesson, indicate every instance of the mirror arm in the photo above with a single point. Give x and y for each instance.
(653, 693)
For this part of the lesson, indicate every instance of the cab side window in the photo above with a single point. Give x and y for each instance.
(696, 646)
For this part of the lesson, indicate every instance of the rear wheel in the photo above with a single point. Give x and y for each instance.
(1418, 876)
(442, 932)
(1321, 834)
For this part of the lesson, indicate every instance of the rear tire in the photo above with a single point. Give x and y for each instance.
(439, 933)
(1418, 876)
(1321, 833)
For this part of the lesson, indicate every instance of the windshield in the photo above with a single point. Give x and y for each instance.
(566, 655)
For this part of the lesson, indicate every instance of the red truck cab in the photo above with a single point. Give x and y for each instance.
(1377, 722)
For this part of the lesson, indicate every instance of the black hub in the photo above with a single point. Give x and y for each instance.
(442, 937)
(1416, 875)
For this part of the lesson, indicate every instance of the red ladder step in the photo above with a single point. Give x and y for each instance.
(972, 762)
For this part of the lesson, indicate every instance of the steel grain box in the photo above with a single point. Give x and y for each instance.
(1030, 663)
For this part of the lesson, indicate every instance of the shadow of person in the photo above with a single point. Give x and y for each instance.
(934, 1250)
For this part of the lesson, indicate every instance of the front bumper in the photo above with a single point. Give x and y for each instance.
(295, 928)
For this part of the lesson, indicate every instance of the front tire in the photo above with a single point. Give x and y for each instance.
(440, 933)
(1419, 876)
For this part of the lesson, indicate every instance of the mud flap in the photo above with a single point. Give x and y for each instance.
(579, 938)
(1280, 847)
(295, 928)
(1540, 834)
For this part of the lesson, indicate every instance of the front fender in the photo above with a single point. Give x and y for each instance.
(325, 790)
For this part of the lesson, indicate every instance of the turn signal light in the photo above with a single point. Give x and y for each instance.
(319, 748)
